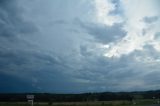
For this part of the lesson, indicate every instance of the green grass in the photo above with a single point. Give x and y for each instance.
(96, 103)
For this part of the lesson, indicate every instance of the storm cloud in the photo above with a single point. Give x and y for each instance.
(79, 46)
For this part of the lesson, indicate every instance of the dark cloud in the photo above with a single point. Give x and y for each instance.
(10, 84)
(118, 10)
(59, 22)
(151, 19)
(120, 74)
(157, 36)
(102, 33)
(54, 51)
(27, 60)
(33, 71)
(11, 20)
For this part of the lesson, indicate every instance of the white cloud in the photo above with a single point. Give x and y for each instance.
(103, 9)
(139, 33)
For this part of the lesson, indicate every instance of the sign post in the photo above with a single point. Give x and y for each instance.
(30, 99)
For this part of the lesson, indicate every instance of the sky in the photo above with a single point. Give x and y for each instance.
(77, 46)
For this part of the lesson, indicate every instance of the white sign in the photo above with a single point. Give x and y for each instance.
(30, 96)
(30, 99)
(30, 102)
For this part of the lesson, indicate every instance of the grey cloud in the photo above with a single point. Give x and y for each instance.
(11, 21)
(118, 10)
(84, 51)
(151, 52)
(152, 78)
(27, 61)
(25, 65)
(59, 22)
(22, 60)
(104, 34)
(10, 83)
(125, 73)
(54, 51)
(157, 36)
(151, 19)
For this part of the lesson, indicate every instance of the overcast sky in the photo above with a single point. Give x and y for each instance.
(75, 46)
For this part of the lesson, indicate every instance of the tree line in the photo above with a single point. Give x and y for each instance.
(104, 96)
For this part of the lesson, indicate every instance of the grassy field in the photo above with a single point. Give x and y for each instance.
(96, 103)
